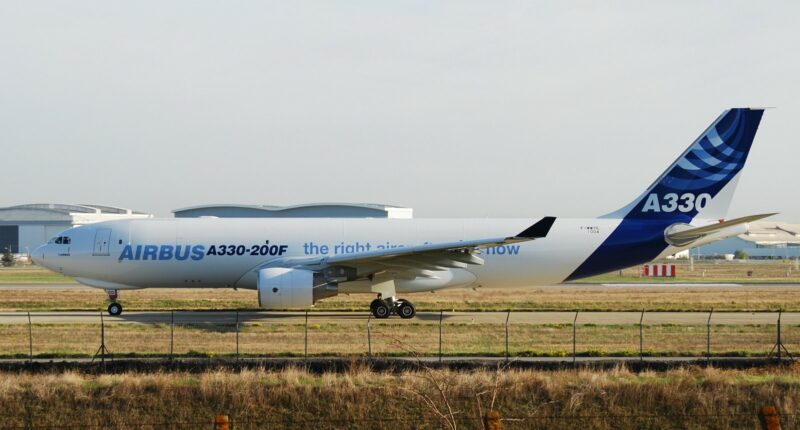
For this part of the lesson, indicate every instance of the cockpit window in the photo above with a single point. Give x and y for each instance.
(62, 240)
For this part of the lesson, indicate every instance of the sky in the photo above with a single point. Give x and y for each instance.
(457, 109)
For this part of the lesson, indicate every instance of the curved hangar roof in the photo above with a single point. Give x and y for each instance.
(66, 212)
(314, 210)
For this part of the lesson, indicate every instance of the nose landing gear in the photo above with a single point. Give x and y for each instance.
(114, 308)
(383, 308)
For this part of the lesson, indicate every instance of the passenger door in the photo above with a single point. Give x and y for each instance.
(101, 241)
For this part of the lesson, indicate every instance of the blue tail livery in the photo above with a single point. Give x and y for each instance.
(699, 184)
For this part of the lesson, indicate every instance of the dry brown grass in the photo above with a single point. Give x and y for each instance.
(359, 398)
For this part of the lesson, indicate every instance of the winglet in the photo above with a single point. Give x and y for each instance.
(538, 230)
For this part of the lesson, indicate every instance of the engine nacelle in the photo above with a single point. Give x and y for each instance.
(281, 288)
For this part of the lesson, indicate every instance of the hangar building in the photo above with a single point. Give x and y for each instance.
(25, 227)
(313, 210)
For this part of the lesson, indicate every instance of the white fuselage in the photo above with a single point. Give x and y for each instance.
(224, 252)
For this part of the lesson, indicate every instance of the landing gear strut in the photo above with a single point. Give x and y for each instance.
(114, 308)
(382, 308)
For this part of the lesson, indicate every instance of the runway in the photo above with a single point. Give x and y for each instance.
(520, 317)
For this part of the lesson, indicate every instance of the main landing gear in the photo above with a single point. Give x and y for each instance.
(382, 308)
(114, 308)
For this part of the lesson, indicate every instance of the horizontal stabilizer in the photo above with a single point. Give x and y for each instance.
(682, 234)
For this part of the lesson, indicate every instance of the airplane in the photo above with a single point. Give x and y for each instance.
(295, 262)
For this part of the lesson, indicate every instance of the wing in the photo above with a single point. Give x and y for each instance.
(411, 261)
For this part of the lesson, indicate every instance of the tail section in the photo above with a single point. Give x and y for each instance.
(699, 184)
(702, 180)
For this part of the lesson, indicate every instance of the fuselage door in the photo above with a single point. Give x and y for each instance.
(102, 240)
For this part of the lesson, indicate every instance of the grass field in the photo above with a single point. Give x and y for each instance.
(30, 274)
(350, 338)
(359, 398)
(563, 297)
(586, 296)
(392, 338)
(690, 398)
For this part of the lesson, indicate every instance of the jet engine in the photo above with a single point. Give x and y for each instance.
(281, 288)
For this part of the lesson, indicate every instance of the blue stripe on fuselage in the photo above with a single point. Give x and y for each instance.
(633, 242)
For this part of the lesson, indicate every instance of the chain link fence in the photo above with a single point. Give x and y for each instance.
(431, 334)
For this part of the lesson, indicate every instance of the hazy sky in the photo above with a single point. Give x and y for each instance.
(457, 109)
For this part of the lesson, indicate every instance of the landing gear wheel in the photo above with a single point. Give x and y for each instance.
(375, 303)
(115, 309)
(381, 310)
(406, 310)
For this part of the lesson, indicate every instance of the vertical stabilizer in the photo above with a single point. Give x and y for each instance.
(703, 179)
(700, 183)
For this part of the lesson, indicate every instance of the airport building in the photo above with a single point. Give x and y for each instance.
(23, 228)
(314, 210)
(764, 240)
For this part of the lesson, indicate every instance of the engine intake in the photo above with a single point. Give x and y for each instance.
(280, 288)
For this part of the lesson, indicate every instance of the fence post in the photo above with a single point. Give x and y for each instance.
(779, 344)
(305, 347)
(102, 351)
(574, 342)
(441, 315)
(708, 337)
(769, 419)
(221, 422)
(237, 334)
(641, 337)
(102, 339)
(369, 336)
(508, 315)
(30, 339)
(491, 420)
(171, 335)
